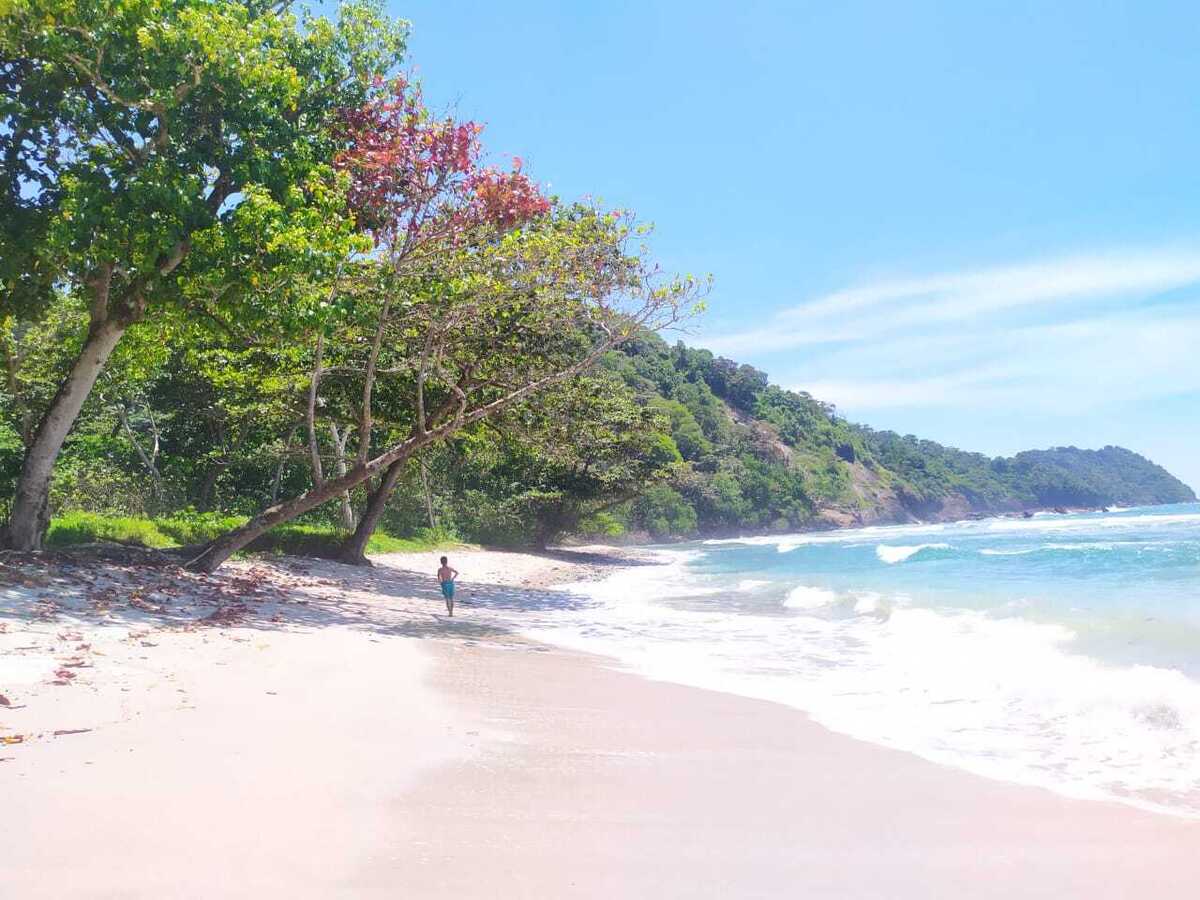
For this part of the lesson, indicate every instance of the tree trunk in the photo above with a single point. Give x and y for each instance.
(428, 495)
(30, 510)
(283, 461)
(310, 417)
(208, 489)
(354, 550)
(340, 439)
(219, 550)
(149, 460)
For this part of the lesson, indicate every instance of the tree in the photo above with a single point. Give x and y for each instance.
(419, 186)
(493, 325)
(171, 151)
(582, 447)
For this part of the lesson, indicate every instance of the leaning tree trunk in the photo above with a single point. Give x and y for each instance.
(354, 550)
(219, 550)
(30, 515)
(216, 552)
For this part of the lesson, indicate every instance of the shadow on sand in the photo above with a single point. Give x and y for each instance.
(290, 593)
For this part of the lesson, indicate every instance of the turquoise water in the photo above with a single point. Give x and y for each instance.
(1062, 650)
(1126, 582)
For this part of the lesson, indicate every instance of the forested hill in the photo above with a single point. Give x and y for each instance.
(661, 441)
(758, 457)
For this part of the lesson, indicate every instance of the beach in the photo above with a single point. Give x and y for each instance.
(296, 728)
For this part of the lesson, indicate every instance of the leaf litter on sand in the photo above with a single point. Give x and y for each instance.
(85, 601)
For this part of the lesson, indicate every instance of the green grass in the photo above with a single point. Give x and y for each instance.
(189, 528)
(192, 528)
(85, 528)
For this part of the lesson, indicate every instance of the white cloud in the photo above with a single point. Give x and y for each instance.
(873, 310)
(1062, 368)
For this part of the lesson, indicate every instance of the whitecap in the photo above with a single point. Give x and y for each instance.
(804, 597)
(871, 603)
(893, 554)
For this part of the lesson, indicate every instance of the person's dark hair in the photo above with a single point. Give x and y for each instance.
(443, 560)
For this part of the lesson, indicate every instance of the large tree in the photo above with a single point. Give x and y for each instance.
(170, 152)
(418, 186)
(422, 189)
(490, 326)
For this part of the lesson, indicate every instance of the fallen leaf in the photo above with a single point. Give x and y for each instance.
(12, 739)
(4, 701)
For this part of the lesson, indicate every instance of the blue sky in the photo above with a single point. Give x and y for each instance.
(975, 222)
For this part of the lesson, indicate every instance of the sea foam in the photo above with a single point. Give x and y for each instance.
(1059, 668)
(893, 555)
(803, 597)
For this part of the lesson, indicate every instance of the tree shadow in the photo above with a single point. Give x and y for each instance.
(284, 593)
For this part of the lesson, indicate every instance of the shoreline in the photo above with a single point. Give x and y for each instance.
(832, 525)
(617, 786)
(341, 737)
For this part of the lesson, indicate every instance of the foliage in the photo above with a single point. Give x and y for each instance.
(597, 456)
(663, 512)
(85, 527)
(190, 529)
(537, 472)
(144, 129)
(171, 155)
(761, 458)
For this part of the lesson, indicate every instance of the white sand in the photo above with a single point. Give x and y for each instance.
(330, 733)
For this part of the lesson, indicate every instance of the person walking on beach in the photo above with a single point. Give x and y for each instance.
(446, 576)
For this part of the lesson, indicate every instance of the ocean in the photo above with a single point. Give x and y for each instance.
(1060, 651)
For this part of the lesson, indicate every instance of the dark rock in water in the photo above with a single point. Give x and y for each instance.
(1061, 510)
(1027, 515)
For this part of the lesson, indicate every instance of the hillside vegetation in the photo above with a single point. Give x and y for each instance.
(660, 441)
(762, 458)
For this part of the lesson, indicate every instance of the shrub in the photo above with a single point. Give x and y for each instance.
(602, 524)
(665, 513)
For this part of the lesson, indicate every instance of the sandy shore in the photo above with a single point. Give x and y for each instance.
(301, 729)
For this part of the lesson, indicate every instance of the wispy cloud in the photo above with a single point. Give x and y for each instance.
(1079, 337)
(1064, 368)
(868, 311)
